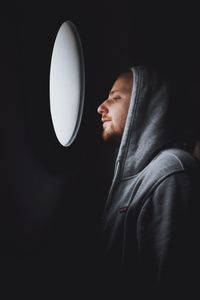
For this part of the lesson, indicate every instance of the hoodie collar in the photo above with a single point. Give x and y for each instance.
(148, 127)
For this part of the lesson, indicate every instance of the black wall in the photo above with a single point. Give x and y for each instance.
(52, 197)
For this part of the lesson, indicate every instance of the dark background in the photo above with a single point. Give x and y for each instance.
(52, 197)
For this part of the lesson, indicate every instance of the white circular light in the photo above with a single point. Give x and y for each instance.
(67, 83)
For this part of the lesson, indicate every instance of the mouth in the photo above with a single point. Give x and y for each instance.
(105, 122)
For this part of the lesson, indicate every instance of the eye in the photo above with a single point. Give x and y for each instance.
(116, 98)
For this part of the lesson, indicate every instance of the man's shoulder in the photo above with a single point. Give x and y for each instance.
(171, 161)
(177, 159)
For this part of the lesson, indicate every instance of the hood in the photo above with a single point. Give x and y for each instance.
(153, 122)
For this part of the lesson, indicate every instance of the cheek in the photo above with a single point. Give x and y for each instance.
(119, 113)
(125, 112)
(120, 116)
(116, 118)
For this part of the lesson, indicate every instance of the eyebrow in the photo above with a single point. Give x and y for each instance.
(117, 91)
(112, 92)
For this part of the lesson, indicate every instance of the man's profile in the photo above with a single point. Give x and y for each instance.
(114, 109)
(148, 220)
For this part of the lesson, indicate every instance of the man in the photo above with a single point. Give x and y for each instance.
(149, 223)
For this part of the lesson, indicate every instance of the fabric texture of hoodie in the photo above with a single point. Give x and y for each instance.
(149, 221)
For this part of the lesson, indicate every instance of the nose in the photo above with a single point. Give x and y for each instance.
(102, 109)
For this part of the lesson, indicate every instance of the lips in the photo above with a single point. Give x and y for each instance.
(105, 123)
(105, 120)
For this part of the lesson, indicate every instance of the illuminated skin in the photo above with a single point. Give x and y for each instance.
(114, 109)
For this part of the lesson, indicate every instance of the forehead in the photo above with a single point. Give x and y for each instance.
(123, 83)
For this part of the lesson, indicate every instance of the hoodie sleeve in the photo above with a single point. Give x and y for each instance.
(164, 234)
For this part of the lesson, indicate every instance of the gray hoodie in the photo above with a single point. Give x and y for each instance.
(149, 224)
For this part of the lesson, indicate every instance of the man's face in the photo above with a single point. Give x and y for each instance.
(115, 108)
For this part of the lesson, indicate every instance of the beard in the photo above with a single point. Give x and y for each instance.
(111, 135)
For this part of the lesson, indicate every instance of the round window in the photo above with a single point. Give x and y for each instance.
(67, 83)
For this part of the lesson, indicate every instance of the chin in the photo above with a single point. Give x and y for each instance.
(111, 137)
